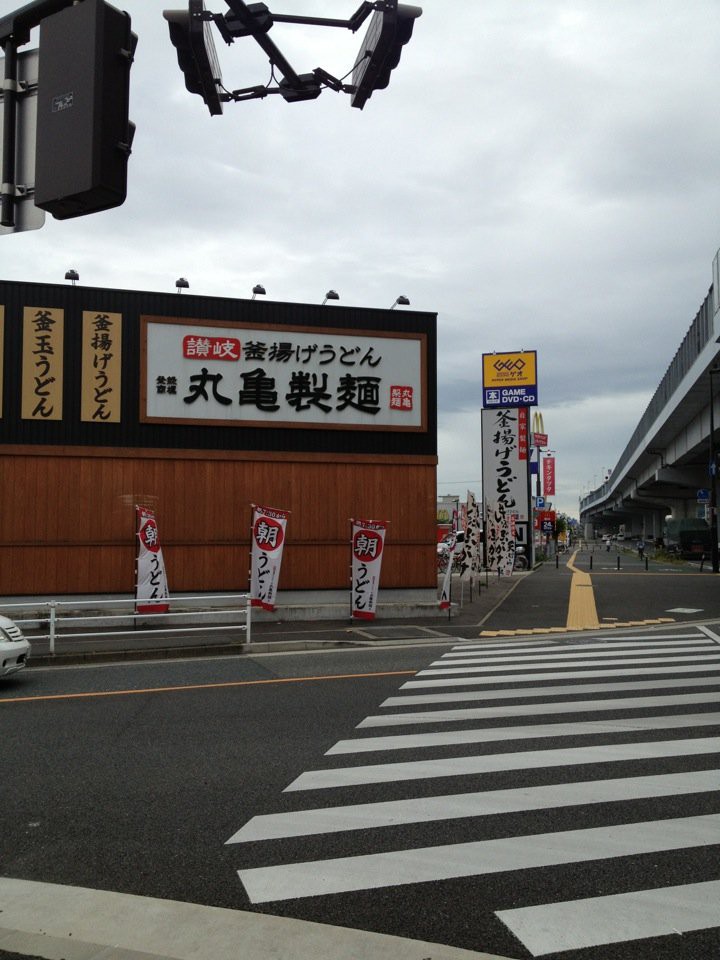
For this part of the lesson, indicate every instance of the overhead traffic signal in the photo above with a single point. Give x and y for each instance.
(191, 35)
(84, 136)
(390, 29)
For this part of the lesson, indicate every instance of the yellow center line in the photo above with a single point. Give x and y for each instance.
(582, 612)
(204, 686)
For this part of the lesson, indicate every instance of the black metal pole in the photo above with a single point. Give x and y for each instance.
(7, 197)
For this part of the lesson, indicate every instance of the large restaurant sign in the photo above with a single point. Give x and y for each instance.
(281, 376)
(505, 461)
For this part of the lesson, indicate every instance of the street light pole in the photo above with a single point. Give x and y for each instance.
(713, 479)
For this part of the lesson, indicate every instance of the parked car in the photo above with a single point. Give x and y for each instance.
(14, 648)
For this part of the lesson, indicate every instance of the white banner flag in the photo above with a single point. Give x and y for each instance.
(470, 565)
(268, 539)
(368, 542)
(500, 545)
(456, 549)
(151, 591)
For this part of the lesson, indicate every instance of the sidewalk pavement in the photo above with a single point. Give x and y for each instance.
(75, 923)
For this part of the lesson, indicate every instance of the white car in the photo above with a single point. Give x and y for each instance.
(14, 648)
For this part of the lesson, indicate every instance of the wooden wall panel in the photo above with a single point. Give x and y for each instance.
(67, 523)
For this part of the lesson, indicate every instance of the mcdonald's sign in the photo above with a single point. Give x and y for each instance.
(510, 379)
(540, 438)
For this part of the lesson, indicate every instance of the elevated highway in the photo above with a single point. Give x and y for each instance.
(667, 459)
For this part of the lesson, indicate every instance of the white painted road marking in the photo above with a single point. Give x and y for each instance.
(481, 858)
(535, 709)
(675, 671)
(710, 656)
(494, 763)
(558, 653)
(417, 741)
(576, 924)
(545, 692)
(393, 813)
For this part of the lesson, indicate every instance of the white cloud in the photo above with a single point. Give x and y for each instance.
(542, 173)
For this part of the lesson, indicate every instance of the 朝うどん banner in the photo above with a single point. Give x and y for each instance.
(268, 539)
(367, 545)
(151, 590)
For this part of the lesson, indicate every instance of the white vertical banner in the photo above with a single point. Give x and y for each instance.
(471, 557)
(151, 589)
(499, 544)
(457, 549)
(505, 460)
(367, 545)
(268, 540)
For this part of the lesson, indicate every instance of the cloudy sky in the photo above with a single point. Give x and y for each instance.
(545, 174)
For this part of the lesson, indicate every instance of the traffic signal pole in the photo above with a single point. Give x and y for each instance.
(7, 195)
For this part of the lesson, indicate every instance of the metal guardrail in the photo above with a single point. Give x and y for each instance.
(55, 618)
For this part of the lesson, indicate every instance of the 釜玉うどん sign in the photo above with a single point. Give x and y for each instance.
(196, 371)
(510, 379)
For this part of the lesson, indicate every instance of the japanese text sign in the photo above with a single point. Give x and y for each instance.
(367, 545)
(222, 374)
(268, 540)
(42, 380)
(504, 460)
(548, 468)
(151, 591)
(101, 367)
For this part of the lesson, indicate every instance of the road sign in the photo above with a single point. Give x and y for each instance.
(27, 215)
(703, 496)
(540, 503)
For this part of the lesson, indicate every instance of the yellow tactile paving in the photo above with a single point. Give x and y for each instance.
(528, 631)
(582, 612)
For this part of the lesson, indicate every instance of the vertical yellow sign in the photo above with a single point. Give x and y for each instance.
(42, 363)
(101, 367)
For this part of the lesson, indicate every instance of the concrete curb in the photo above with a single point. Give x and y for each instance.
(75, 923)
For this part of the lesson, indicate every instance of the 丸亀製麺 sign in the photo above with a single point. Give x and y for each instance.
(510, 379)
(221, 374)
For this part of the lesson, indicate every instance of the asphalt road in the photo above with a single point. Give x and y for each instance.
(580, 774)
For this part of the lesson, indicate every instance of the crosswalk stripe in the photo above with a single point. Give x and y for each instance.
(681, 642)
(560, 675)
(393, 813)
(494, 763)
(610, 641)
(710, 650)
(533, 709)
(713, 654)
(568, 653)
(415, 741)
(597, 921)
(480, 858)
(410, 699)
